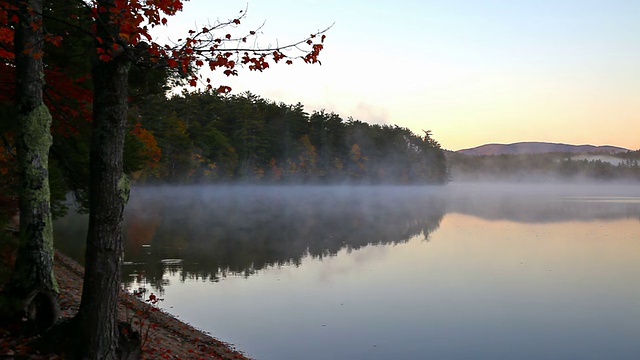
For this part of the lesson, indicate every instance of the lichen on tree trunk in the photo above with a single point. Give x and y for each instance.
(32, 287)
(32, 275)
(35, 256)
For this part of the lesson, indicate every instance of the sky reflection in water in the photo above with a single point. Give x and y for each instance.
(470, 277)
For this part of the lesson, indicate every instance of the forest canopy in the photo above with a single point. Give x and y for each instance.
(208, 137)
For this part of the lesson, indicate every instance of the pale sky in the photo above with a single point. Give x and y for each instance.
(471, 71)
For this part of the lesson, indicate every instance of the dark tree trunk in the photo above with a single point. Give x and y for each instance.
(32, 288)
(109, 191)
(108, 194)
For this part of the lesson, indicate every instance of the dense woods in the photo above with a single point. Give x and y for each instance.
(204, 137)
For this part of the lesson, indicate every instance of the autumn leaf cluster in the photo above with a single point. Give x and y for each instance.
(72, 40)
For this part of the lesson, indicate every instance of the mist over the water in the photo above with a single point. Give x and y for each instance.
(211, 231)
(544, 201)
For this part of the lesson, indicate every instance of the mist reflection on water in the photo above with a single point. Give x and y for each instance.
(309, 275)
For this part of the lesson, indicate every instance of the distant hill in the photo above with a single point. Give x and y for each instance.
(538, 148)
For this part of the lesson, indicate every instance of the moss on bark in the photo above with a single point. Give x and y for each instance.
(36, 226)
(124, 188)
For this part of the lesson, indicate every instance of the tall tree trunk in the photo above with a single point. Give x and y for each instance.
(33, 277)
(108, 194)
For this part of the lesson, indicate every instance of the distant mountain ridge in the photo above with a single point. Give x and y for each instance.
(538, 148)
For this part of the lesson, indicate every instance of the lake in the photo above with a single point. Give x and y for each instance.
(462, 271)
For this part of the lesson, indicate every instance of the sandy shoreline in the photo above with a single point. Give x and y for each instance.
(170, 337)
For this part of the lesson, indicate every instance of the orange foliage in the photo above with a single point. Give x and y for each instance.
(151, 150)
(276, 172)
(356, 156)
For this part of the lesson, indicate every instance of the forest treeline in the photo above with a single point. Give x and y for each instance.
(548, 166)
(206, 137)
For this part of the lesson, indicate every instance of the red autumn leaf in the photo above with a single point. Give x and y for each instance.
(56, 40)
(223, 89)
(172, 63)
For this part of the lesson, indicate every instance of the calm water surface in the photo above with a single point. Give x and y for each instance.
(456, 272)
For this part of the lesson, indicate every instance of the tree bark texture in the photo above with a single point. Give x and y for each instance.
(108, 194)
(33, 272)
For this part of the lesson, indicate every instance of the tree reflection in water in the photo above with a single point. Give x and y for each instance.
(209, 232)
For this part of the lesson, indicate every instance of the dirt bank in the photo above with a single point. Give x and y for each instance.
(167, 337)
